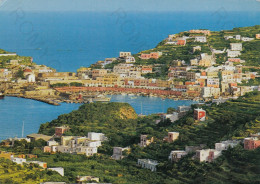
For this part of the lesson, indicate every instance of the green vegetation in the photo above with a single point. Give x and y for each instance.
(234, 119)
(11, 173)
(77, 84)
(117, 120)
(20, 74)
(23, 60)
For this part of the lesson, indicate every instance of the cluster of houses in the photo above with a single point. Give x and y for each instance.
(21, 159)
(74, 144)
(201, 154)
(199, 77)
(240, 38)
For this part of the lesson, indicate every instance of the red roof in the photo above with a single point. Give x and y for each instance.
(27, 70)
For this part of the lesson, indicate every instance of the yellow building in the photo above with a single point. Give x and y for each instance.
(212, 74)
(227, 72)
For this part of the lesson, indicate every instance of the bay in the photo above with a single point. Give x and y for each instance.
(14, 111)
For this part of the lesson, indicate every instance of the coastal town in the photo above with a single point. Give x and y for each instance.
(206, 72)
(215, 69)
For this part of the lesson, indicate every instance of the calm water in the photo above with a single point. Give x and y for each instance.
(69, 40)
(15, 111)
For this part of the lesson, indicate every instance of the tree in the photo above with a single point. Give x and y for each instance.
(20, 74)
(171, 110)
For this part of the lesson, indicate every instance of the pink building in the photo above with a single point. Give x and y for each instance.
(206, 32)
(47, 149)
(251, 143)
(145, 56)
(236, 60)
(155, 55)
(147, 70)
(61, 130)
(181, 42)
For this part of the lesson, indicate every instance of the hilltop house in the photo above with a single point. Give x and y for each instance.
(145, 141)
(172, 136)
(176, 155)
(124, 54)
(202, 39)
(224, 145)
(236, 46)
(199, 114)
(173, 117)
(233, 54)
(207, 155)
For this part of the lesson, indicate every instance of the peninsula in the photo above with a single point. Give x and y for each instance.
(195, 64)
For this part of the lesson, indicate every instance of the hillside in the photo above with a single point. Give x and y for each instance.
(216, 40)
(11, 173)
(234, 119)
(110, 119)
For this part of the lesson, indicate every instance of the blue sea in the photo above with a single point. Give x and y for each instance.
(69, 40)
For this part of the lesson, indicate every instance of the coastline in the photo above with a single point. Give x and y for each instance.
(40, 99)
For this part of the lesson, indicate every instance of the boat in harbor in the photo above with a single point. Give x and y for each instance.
(2, 95)
(101, 98)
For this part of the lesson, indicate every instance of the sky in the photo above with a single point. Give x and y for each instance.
(130, 5)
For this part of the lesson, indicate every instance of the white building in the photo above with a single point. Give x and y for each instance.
(171, 43)
(18, 160)
(202, 39)
(213, 81)
(59, 170)
(225, 144)
(10, 54)
(236, 46)
(177, 155)
(207, 155)
(96, 136)
(228, 37)
(30, 78)
(52, 143)
(148, 164)
(183, 108)
(130, 59)
(124, 54)
(238, 37)
(246, 39)
(86, 150)
(173, 117)
(233, 54)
